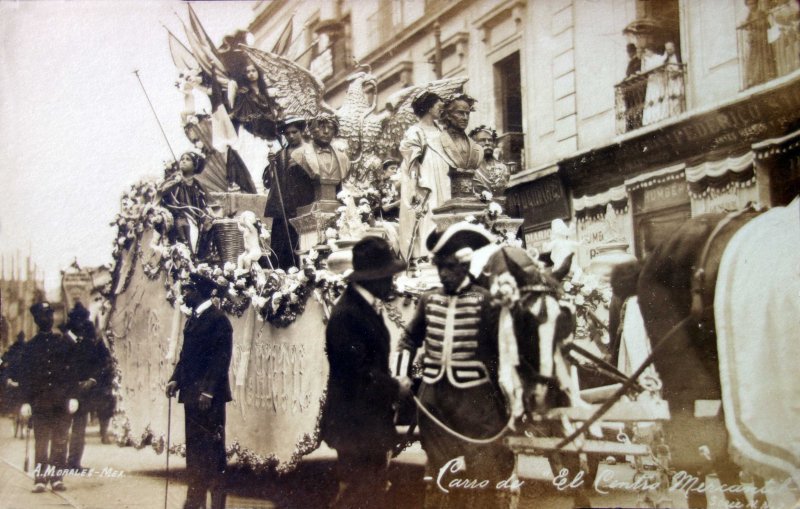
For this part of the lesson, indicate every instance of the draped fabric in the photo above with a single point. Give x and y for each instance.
(756, 305)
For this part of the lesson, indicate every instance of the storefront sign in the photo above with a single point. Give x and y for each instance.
(540, 201)
(661, 196)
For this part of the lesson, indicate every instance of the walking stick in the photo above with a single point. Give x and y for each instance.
(169, 428)
(27, 443)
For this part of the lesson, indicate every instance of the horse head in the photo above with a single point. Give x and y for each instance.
(535, 323)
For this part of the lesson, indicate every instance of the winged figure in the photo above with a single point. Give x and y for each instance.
(371, 137)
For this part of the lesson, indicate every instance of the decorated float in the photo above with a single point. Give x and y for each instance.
(279, 369)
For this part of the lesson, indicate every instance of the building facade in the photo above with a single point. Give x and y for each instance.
(623, 117)
(21, 285)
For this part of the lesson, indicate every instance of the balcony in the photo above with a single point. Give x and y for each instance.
(650, 97)
(769, 42)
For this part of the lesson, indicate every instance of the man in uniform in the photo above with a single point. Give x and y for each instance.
(201, 376)
(47, 389)
(288, 187)
(358, 416)
(93, 370)
(456, 326)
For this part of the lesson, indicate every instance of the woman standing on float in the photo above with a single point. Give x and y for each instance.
(424, 170)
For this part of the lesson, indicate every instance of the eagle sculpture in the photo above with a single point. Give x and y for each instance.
(370, 137)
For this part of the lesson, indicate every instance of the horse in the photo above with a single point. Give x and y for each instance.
(534, 317)
(677, 294)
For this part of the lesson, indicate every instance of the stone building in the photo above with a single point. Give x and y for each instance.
(20, 287)
(707, 121)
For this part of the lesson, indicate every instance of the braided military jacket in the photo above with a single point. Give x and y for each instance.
(459, 336)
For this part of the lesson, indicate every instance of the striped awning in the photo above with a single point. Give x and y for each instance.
(721, 175)
(591, 205)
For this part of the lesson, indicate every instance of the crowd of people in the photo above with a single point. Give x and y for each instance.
(54, 382)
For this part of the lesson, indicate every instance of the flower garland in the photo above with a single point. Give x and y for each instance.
(235, 453)
(587, 295)
(489, 220)
(278, 296)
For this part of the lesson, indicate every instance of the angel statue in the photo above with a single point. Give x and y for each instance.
(252, 244)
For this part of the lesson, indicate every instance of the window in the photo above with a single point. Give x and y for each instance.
(508, 96)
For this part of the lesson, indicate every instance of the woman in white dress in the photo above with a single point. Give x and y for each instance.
(423, 173)
(655, 104)
(675, 87)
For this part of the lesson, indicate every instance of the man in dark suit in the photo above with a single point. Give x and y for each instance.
(93, 370)
(358, 417)
(47, 389)
(201, 376)
(289, 187)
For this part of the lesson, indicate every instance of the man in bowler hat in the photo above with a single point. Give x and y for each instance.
(358, 417)
(48, 389)
(93, 371)
(201, 377)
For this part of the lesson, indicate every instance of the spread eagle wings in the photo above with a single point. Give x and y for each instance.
(400, 116)
(293, 88)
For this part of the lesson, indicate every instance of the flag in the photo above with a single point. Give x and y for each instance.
(222, 131)
(181, 55)
(204, 50)
(238, 173)
(284, 42)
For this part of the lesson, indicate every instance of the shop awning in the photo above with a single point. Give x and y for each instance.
(776, 146)
(591, 205)
(720, 176)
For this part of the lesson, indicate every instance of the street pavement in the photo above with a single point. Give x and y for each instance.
(126, 478)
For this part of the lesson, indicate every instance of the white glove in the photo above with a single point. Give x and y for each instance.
(25, 411)
(72, 406)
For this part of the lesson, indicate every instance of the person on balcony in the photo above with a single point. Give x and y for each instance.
(675, 89)
(655, 104)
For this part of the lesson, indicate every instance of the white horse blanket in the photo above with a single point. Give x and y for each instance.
(757, 309)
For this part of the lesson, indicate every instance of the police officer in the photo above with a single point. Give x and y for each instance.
(47, 389)
(93, 370)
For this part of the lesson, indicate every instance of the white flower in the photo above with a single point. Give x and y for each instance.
(495, 208)
(342, 195)
(470, 219)
(579, 300)
(293, 270)
(486, 195)
(313, 254)
(504, 290)
(228, 268)
(567, 286)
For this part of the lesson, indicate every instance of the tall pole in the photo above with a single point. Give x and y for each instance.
(136, 72)
(437, 52)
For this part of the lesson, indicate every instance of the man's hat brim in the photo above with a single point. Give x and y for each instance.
(392, 268)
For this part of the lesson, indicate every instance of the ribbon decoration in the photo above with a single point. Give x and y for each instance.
(507, 375)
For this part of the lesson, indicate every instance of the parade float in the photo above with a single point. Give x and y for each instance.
(279, 369)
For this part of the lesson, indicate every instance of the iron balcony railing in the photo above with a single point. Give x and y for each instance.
(651, 96)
